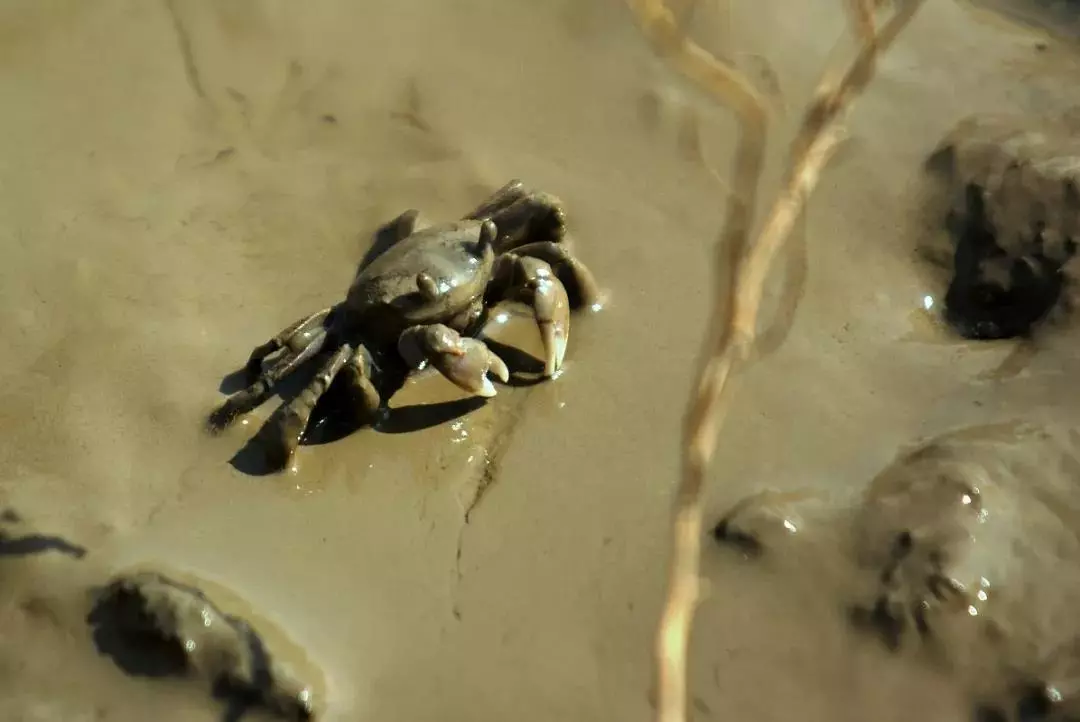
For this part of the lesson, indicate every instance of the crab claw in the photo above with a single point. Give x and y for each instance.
(465, 362)
(552, 312)
(533, 281)
(469, 371)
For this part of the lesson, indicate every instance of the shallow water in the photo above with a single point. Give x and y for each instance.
(181, 179)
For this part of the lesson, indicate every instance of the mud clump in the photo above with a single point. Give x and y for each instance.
(152, 626)
(1011, 184)
(963, 553)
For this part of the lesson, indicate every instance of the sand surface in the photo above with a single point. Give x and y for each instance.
(180, 179)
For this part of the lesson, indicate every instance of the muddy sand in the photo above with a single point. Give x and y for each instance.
(180, 179)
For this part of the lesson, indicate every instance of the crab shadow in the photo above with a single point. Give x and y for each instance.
(333, 420)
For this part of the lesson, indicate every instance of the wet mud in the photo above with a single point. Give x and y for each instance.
(181, 178)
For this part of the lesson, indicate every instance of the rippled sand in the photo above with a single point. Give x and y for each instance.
(180, 179)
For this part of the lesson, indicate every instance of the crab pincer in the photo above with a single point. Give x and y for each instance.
(464, 361)
(533, 282)
(552, 313)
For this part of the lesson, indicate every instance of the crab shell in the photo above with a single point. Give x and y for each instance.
(435, 275)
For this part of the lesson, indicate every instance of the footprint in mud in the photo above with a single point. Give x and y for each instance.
(964, 550)
(217, 46)
(32, 543)
(153, 626)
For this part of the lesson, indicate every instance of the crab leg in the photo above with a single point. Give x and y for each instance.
(358, 374)
(522, 215)
(293, 421)
(243, 401)
(532, 281)
(500, 199)
(465, 362)
(407, 223)
(295, 338)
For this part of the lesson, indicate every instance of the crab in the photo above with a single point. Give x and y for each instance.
(420, 301)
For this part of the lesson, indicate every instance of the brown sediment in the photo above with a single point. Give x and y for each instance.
(141, 262)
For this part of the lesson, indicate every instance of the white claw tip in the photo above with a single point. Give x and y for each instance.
(502, 373)
(555, 340)
(555, 357)
(487, 389)
(551, 367)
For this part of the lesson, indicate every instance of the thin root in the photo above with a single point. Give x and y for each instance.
(741, 271)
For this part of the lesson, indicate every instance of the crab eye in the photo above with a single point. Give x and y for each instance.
(427, 286)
